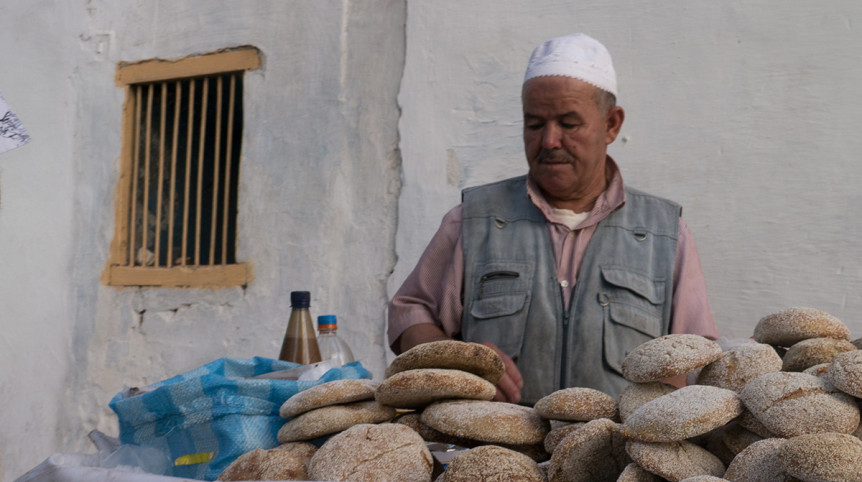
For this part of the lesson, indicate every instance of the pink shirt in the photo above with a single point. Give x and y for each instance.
(432, 292)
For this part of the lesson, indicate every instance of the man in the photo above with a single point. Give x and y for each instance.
(563, 271)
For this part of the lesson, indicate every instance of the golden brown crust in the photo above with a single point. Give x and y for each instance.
(638, 394)
(635, 473)
(682, 414)
(556, 435)
(758, 463)
(336, 392)
(457, 355)
(740, 365)
(413, 420)
(594, 452)
(669, 356)
(674, 460)
(368, 452)
(822, 456)
(818, 370)
(492, 422)
(273, 464)
(845, 373)
(577, 404)
(736, 437)
(749, 422)
(420, 387)
(332, 419)
(791, 403)
(491, 463)
(813, 351)
(792, 325)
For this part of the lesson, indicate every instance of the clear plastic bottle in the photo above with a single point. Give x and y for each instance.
(331, 345)
(300, 342)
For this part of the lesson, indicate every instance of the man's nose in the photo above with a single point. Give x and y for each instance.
(551, 136)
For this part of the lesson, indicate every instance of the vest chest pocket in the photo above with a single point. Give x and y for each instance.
(632, 305)
(499, 305)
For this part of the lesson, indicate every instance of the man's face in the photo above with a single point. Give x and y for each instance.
(566, 135)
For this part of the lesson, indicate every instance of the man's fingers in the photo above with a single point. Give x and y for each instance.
(513, 372)
(511, 384)
(510, 390)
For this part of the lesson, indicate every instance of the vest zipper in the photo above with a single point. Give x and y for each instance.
(564, 354)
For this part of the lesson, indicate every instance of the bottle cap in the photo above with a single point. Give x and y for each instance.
(300, 299)
(327, 321)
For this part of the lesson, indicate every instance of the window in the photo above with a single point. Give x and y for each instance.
(176, 210)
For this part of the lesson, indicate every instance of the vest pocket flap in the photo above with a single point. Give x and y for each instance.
(498, 306)
(635, 282)
(636, 319)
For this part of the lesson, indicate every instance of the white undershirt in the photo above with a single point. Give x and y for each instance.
(570, 218)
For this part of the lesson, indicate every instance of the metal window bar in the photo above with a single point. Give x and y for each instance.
(185, 170)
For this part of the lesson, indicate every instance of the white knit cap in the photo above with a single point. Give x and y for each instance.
(577, 55)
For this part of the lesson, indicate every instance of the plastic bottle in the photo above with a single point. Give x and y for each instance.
(300, 342)
(331, 345)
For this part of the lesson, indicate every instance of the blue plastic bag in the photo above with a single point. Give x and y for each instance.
(204, 419)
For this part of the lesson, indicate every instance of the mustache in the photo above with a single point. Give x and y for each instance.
(554, 157)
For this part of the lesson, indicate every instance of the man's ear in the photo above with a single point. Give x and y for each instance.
(614, 122)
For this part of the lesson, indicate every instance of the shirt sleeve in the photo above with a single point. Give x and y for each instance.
(691, 312)
(432, 291)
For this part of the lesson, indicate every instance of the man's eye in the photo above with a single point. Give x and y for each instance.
(534, 127)
(566, 125)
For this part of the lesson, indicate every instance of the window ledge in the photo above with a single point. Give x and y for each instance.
(224, 276)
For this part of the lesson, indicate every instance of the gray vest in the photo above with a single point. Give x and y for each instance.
(512, 296)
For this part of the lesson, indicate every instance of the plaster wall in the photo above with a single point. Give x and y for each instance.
(743, 112)
(318, 190)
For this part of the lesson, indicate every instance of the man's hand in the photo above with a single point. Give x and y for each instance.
(416, 335)
(509, 387)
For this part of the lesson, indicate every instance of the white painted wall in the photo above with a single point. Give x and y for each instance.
(744, 112)
(318, 192)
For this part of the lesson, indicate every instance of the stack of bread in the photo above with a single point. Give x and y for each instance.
(782, 406)
(449, 384)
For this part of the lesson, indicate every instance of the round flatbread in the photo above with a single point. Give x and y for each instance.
(556, 435)
(822, 456)
(813, 351)
(638, 394)
(418, 388)
(594, 452)
(749, 422)
(577, 404)
(260, 464)
(845, 372)
(683, 413)
(674, 460)
(737, 438)
(669, 356)
(792, 325)
(758, 463)
(635, 473)
(332, 419)
(534, 451)
(490, 463)
(818, 370)
(493, 422)
(792, 403)
(740, 365)
(457, 355)
(336, 392)
(388, 451)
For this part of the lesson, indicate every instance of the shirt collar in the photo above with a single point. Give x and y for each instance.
(608, 201)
